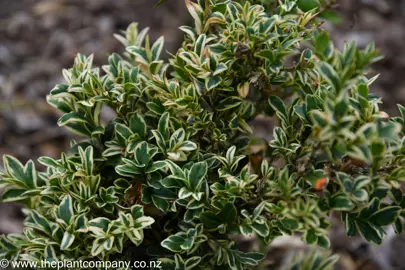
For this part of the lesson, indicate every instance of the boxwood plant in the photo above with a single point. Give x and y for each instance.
(178, 173)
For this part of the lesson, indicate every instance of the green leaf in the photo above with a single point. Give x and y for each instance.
(171, 182)
(177, 138)
(81, 224)
(307, 5)
(388, 130)
(99, 226)
(112, 151)
(142, 154)
(163, 126)
(218, 48)
(108, 243)
(87, 159)
(123, 131)
(49, 162)
(323, 241)
(330, 75)
(212, 81)
(331, 16)
(278, 105)
(157, 165)
(188, 244)
(50, 253)
(157, 48)
(137, 125)
(310, 237)
(250, 258)
(300, 111)
(290, 224)
(144, 222)
(67, 241)
(398, 226)
(160, 141)
(366, 212)
(220, 69)
(65, 210)
(27, 175)
(229, 103)
(187, 146)
(200, 44)
(13, 195)
(261, 229)
(135, 236)
(72, 118)
(192, 262)
(177, 172)
(160, 203)
(246, 229)
(140, 54)
(341, 202)
(287, 6)
(322, 41)
(97, 247)
(128, 170)
(98, 131)
(370, 232)
(385, 216)
(197, 174)
(311, 103)
(360, 196)
(154, 67)
(184, 193)
(173, 242)
(41, 222)
(266, 54)
(79, 129)
(137, 211)
(210, 220)
(258, 210)
(228, 213)
(195, 11)
(156, 108)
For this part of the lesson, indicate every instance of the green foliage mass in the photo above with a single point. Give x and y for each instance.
(175, 175)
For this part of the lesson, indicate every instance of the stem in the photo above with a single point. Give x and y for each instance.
(207, 6)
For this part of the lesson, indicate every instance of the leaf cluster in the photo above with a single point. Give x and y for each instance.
(176, 175)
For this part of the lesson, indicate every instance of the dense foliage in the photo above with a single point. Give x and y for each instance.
(178, 173)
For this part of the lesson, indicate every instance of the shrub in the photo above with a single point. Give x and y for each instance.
(176, 175)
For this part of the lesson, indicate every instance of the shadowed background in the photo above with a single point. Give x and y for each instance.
(40, 37)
